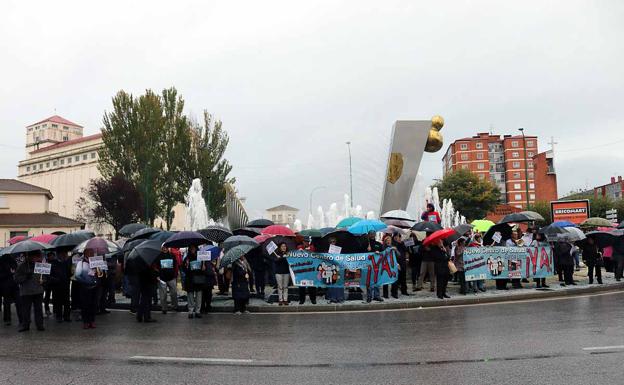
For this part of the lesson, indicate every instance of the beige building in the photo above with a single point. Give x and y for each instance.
(282, 215)
(60, 159)
(25, 210)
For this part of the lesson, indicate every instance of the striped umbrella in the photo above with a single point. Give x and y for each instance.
(215, 233)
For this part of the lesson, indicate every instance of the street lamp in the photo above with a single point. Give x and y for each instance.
(350, 173)
(526, 169)
(312, 192)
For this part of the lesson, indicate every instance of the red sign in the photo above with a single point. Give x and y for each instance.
(573, 211)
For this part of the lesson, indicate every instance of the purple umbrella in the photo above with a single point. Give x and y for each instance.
(99, 246)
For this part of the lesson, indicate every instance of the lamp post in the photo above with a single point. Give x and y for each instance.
(526, 169)
(312, 192)
(350, 173)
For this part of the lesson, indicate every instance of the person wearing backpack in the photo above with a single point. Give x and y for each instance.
(168, 279)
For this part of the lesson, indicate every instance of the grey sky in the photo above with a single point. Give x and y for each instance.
(292, 81)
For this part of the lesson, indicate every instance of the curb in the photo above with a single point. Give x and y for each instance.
(454, 301)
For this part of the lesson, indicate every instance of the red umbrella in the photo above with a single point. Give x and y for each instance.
(436, 236)
(262, 238)
(17, 238)
(45, 238)
(278, 230)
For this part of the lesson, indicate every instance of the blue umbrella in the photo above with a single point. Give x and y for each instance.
(563, 224)
(366, 225)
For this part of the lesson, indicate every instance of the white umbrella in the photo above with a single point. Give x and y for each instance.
(397, 214)
(573, 234)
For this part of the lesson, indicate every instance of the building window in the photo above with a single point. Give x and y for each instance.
(27, 168)
(280, 218)
(516, 186)
(4, 204)
(532, 186)
(84, 156)
(530, 154)
(463, 146)
(65, 128)
(516, 175)
(47, 164)
(514, 143)
(464, 156)
(517, 197)
(515, 154)
(69, 160)
(479, 145)
(93, 155)
(529, 143)
(62, 161)
(65, 138)
(464, 167)
(515, 165)
(532, 197)
(54, 126)
(531, 175)
(480, 166)
(530, 164)
(479, 155)
(77, 158)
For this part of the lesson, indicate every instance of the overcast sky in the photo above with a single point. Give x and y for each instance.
(292, 81)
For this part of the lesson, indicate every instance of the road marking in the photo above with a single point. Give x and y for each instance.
(193, 359)
(594, 348)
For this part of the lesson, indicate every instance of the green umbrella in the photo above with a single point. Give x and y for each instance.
(234, 254)
(313, 233)
(348, 222)
(596, 222)
(482, 225)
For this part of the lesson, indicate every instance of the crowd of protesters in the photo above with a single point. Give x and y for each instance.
(74, 287)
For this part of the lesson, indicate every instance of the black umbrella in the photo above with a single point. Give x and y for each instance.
(131, 228)
(260, 223)
(459, 232)
(349, 243)
(161, 236)
(552, 230)
(147, 252)
(606, 238)
(278, 239)
(71, 240)
(185, 239)
(144, 233)
(24, 247)
(247, 231)
(504, 229)
(237, 240)
(216, 233)
(535, 216)
(516, 217)
(427, 226)
(128, 246)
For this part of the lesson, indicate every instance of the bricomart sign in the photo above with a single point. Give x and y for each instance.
(573, 211)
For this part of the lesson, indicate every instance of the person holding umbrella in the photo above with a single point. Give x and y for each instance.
(9, 290)
(592, 257)
(427, 266)
(30, 291)
(241, 272)
(401, 283)
(87, 279)
(168, 279)
(59, 281)
(439, 255)
(195, 280)
(147, 286)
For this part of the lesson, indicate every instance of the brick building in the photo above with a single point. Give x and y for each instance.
(502, 160)
(613, 190)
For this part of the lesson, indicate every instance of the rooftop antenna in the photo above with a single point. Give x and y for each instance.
(491, 129)
(552, 143)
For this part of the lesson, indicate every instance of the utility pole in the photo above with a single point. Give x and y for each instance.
(350, 174)
(526, 170)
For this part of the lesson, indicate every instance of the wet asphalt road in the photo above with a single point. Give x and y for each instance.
(511, 343)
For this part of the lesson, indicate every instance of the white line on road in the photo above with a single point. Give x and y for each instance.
(192, 359)
(592, 348)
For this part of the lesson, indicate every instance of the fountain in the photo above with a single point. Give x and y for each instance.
(321, 221)
(196, 212)
(298, 226)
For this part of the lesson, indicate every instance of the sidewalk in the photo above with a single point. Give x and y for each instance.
(423, 298)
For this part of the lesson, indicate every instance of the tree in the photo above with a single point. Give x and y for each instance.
(598, 206)
(210, 142)
(543, 208)
(473, 197)
(115, 202)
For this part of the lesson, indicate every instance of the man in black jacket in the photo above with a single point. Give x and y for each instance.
(31, 292)
(9, 291)
(59, 281)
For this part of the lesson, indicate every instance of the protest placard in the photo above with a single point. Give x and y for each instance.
(42, 268)
(204, 255)
(271, 247)
(166, 263)
(333, 249)
(497, 237)
(98, 262)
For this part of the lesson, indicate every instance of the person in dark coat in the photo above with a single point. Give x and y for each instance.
(259, 266)
(592, 257)
(241, 271)
(87, 286)
(47, 287)
(402, 260)
(31, 292)
(9, 291)
(414, 260)
(147, 284)
(168, 279)
(437, 252)
(387, 244)
(59, 281)
(194, 281)
(211, 281)
(427, 267)
(563, 252)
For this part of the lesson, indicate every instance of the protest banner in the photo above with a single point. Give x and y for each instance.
(508, 262)
(42, 268)
(343, 270)
(98, 262)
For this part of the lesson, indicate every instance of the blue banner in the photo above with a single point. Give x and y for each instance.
(343, 270)
(508, 262)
